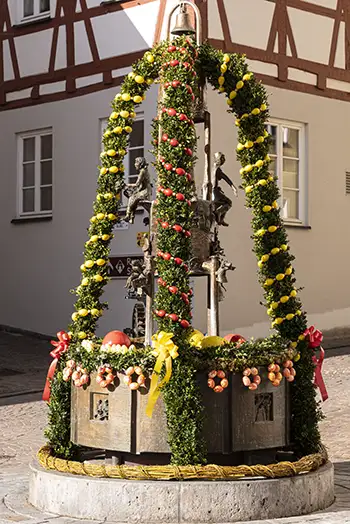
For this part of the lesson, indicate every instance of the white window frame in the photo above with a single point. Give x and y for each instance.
(139, 116)
(37, 134)
(302, 219)
(21, 19)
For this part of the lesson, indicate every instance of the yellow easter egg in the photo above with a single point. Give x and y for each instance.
(111, 216)
(289, 271)
(275, 250)
(126, 97)
(139, 79)
(247, 77)
(293, 293)
(118, 130)
(249, 144)
(223, 68)
(256, 111)
(274, 305)
(260, 140)
(83, 312)
(82, 335)
(221, 80)
(259, 163)
(239, 84)
(150, 58)
(137, 99)
(95, 312)
(265, 258)
(100, 216)
(103, 171)
(124, 114)
(85, 282)
(272, 229)
(75, 316)
(100, 262)
(226, 58)
(105, 237)
(82, 267)
(111, 152)
(94, 238)
(233, 95)
(114, 115)
(290, 316)
(280, 276)
(98, 278)
(113, 169)
(284, 247)
(89, 263)
(269, 282)
(266, 209)
(284, 299)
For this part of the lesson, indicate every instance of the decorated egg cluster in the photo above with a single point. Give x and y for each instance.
(251, 378)
(105, 376)
(79, 375)
(135, 378)
(221, 384)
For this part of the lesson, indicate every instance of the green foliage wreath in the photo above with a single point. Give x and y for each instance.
(179, 65)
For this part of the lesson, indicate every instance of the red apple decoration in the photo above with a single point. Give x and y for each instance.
(115, 338)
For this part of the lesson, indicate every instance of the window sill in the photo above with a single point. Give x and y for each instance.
(26, 220)
(296, 225)
(33, 21)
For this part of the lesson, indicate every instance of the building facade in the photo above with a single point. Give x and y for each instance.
(61, 62)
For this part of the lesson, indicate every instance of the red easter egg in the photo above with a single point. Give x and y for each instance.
(185, 324)
(188, 151)
(188, 234)
(165, 225)
(175, 83)
(182, 50)
(160, 189)
(174, 63)
(155, 142)
(177, 228)
(184, 296)
(180, 171)
(189, 89)
(168, 192)
(178, 261)
(234, 338)
(161, 313)
(171, 112)
(189, 177)
(165, 137)
(168, 167)
(164, 109)
(187, 65)
(190, 292)
(115, 338)
(180, 196)
(174, 317)
(171, 48)
(166, 85)
(173, 289)
(167, 256)
(174, 142)
(182, 117)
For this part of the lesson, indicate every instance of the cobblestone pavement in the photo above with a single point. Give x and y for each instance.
(23, 419)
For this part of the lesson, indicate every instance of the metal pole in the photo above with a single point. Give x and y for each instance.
(207, 183)
(213, 298)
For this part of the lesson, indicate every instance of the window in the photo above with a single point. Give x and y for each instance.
(33, 9)
(288, 154)
(35, 173)
(136, 149)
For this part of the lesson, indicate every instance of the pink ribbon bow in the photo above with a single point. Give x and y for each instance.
(315, 337)
(60, 347)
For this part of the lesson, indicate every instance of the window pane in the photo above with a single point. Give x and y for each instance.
(291, 173)
(273, 166)
(290, 142)
(137, 135)
(44, 6)
(46, 173)
(290, 204)
(272, 130)
(28, 7)
(28, 200)
(28, 149)
(28, 175)
(135, 153)
(46, 199)
(46, 146)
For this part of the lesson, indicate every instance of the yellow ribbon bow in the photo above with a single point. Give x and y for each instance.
(165, 350)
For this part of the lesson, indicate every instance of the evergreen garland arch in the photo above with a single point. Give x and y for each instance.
(179, 65)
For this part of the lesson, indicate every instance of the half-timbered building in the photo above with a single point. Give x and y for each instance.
(61, 62)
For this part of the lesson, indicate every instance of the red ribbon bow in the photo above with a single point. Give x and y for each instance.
(60, 347)
(315, 339)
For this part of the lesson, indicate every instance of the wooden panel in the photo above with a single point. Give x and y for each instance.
(259, 417)
(151, 433)
(113, 433)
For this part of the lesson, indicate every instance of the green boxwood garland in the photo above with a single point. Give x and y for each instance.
(247, 99)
